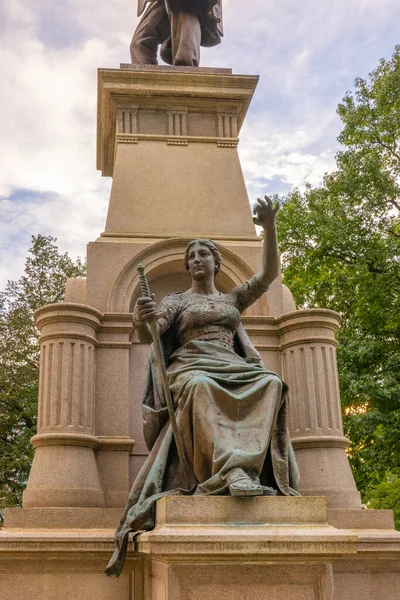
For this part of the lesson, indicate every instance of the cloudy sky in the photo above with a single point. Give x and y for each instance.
(307, 53)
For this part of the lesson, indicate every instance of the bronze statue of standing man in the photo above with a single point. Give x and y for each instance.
(180, 27)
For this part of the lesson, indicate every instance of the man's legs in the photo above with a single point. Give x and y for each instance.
(153, 29)
(186, 37)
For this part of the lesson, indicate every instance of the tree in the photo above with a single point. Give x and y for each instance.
(341, 250)
(43, 282)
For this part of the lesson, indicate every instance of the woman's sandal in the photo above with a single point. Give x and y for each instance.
(245, 488)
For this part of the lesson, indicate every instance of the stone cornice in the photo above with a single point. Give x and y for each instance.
(68, 312)
(134, 89)
(316, 317)
(135, 138)
(159, 237)
(257, 541)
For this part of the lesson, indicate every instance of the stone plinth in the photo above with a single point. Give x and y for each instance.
(202, 547)
(203, 510)
(241, 548)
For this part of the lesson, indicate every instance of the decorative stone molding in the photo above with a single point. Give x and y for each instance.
(227, 126)
(176, 139)
(321, 441)
(127, 120)
(68, 312)
(161, 237)
(226, 144)
(64, 439)
(125, 139)
(175, 142)
(223, 97)
(115, 443)
(115, 331)
(177, 122)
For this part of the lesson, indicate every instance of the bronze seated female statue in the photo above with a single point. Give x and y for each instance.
(230, 410)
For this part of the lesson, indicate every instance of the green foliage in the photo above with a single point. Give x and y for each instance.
(341, 250)
(43, 282)
(387, 495)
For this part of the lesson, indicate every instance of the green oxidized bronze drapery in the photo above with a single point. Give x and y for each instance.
(230, 409)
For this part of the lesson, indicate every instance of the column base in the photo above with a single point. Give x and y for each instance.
(325, 471)
(75, 481)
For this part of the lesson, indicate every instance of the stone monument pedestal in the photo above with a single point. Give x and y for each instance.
(223, 548)
(241, 549)
(169, 137)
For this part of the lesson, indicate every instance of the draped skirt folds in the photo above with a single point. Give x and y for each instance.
(232, 415)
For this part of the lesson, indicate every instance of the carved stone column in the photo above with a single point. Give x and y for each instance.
(309, 365)
(64, 470)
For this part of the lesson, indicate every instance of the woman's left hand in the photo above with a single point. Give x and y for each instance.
(264, 212)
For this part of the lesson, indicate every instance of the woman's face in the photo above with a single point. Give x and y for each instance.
(201, 262)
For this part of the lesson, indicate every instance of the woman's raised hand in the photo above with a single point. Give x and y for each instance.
(264, 212)
(144, 311)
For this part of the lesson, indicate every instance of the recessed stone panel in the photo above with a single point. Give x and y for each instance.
(202, 124)
(153, 122)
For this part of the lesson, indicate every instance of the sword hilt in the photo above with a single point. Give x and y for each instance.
(145, 290)
(144, 284)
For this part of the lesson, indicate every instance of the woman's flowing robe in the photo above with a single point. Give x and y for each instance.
(230, 409)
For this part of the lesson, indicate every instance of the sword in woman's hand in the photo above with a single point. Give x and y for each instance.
(186, 469)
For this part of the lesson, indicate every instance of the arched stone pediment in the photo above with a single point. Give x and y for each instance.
(165, 271)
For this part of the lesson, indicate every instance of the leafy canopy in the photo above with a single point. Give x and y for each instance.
(341, 250)
(43, 282)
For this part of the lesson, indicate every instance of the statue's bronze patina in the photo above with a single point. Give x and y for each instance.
(230, 410)
(180, 27)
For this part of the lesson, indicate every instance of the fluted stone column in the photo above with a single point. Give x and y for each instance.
(309, 363)
(64, 470)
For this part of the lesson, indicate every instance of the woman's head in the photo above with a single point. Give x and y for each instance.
(211, 247)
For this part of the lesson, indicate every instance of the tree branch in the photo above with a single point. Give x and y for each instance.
(349, 260)
(353, 260)
(387, 147)
(395, 204)
(373, 269)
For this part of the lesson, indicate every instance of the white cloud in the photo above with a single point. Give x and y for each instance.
(307, 53)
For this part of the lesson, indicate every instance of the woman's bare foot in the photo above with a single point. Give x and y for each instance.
(245, 487)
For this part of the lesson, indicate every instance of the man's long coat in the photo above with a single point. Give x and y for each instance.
(210, 14)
